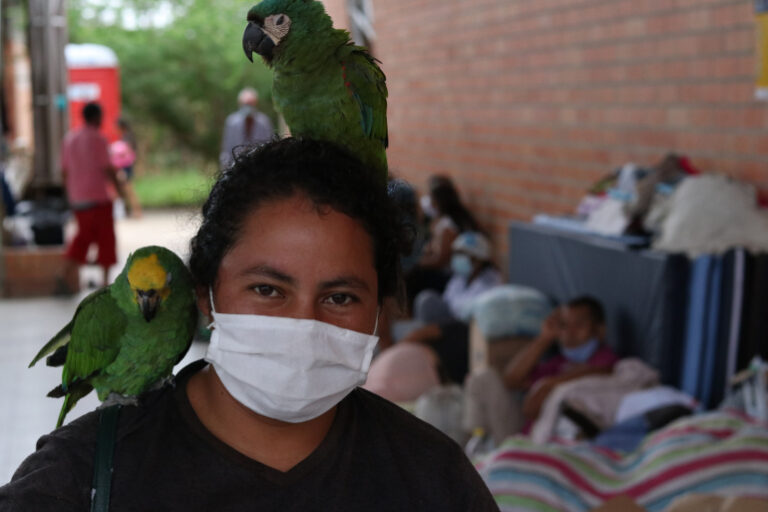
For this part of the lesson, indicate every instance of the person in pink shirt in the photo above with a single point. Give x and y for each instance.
(508, 403)
(92, 183)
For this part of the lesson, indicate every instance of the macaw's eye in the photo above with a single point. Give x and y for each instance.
(280, 20)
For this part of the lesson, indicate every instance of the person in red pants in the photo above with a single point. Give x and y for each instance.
(91, 182)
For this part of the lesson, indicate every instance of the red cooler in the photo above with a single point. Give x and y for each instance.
(94, 75)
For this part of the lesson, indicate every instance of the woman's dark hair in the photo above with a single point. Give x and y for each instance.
(447, 202)
(327, 175)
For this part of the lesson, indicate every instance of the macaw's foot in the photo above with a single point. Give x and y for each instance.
(118, 399)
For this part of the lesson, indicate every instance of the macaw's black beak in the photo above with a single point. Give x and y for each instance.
(148, 301)
(255, 40)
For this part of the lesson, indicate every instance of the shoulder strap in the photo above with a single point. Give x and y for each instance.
(102, 464)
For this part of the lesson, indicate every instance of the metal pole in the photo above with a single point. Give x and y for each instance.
(47, 38)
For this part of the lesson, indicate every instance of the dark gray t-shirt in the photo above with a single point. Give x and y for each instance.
(376, 457)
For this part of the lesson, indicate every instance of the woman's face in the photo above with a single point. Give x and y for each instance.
(292, 261)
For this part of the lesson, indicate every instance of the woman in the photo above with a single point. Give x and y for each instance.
(473, 273)
(297, 250)
(443, 319)
(450, 218)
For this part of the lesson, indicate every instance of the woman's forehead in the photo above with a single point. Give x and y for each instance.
(294, 235)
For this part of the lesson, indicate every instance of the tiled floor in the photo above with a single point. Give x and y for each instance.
(26, 324)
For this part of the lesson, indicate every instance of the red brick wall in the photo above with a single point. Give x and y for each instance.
(337, 10)
(525, 103)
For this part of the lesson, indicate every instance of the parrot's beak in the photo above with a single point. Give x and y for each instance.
(256, 40)
(148, 301)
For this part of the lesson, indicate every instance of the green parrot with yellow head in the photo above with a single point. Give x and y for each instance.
(127, 337)
(326, 87)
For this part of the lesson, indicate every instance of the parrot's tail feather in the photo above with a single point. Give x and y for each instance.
(65, 407)
(57, 392)
(76, 392)
(59, 357)
(58, 341)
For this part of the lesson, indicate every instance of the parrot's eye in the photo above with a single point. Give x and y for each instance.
(280, 20)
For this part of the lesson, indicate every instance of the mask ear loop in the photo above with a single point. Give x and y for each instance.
(376, 325)
(213, 308)
(210, 297)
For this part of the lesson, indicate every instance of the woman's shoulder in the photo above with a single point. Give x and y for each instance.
(71, 448)
(57, 475)
(400, 425)
(430, 460)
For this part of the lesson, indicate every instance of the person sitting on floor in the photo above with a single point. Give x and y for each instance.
(442, 320)
(505, 404)
(473, 273)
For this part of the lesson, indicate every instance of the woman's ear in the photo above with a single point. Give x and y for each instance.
(204, 301)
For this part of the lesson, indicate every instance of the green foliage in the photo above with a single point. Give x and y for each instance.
(188, 187)
(179, 81)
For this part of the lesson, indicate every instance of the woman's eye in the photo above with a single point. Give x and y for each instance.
(265, 290)
(340, 299)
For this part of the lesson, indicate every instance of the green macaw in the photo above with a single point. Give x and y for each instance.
(126, 337)
(326, 87)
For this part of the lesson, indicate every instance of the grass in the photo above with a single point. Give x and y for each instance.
(172, 189)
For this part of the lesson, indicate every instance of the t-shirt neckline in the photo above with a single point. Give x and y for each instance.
(327, 448)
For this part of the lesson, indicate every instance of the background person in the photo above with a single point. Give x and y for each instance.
(472, 273)
(247, 126)
(505, 404)
(442, 320)
(449, 218)
(123, 153)
(92, 183)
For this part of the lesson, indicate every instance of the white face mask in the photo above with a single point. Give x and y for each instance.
(288, 369)
(427, 207)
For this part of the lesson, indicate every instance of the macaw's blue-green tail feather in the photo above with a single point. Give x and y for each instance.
(366, 115)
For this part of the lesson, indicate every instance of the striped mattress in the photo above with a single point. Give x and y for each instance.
(722, 453)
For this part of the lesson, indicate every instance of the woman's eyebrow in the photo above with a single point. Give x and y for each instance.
(267, 271)
(345, 282)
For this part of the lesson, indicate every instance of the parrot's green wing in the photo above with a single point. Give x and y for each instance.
(58, 341)
(63, 336)
(95, 338)
(367, 83)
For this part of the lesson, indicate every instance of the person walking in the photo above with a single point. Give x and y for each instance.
(245, 127)
(91, 182)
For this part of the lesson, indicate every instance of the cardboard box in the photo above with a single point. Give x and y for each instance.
(34, 271)
(495, 353)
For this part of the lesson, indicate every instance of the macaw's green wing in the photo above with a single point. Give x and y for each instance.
(367, 83)
(62, 337)
(96, 335)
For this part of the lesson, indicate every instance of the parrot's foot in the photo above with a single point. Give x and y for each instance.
(118, 399)
(165, 381)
